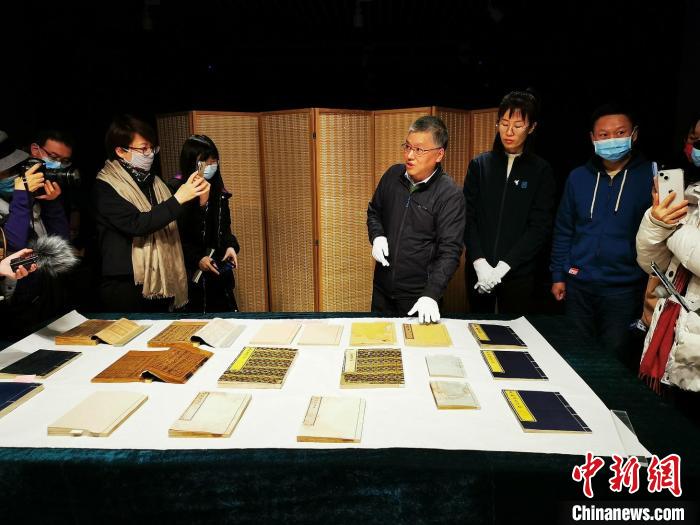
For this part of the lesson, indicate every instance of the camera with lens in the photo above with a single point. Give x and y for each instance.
(67, 177)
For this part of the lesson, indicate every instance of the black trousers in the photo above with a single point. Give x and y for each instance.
(385, 304)
(512, 296)
(120, 294)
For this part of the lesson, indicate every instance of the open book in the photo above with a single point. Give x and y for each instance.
(96, 331)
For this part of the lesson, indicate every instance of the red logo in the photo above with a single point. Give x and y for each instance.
(573, 271)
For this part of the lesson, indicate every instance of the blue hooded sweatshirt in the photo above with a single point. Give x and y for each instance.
(596, 226)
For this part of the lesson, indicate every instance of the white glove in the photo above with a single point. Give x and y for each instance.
(497, 274)
(483, 272)
(428, 310)
(380, 250)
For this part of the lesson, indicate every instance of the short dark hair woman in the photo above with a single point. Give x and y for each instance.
(142, 264)
(509, 193)
(209, 246)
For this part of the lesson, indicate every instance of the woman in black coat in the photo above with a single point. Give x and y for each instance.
(209, 246)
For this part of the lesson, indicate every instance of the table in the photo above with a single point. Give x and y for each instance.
(382, 485)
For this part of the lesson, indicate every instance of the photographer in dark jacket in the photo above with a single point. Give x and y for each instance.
(509, 193)
(416, 222)
(205, 225)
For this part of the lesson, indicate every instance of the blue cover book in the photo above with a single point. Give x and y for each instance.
(507, 364)
(544, 411)
(14, 394)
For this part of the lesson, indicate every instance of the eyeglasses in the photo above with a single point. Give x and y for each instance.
(406, 148)
(517, 128)
(146, 150)
(66, 161)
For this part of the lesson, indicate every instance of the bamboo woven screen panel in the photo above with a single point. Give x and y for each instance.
(455, 164)
(483, 131)
(173, 130)
(287, 155)
(345, 183)
(390, 130)
(236, 136)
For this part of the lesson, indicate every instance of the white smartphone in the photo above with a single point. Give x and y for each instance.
(671, 180)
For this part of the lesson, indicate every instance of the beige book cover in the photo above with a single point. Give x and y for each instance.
(176, 332)
(372, 368)
(218, 333)
(120, 332)
(259, 367)
(98, 415)
(453, 395)
(321, 334)
(276, 333)
(426, 335)
(174, 365)
(373, 333)
(84, 333)
(444, 366)
(211, 414)
(333, 420)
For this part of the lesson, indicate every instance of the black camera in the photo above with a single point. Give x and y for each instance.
(65, 177)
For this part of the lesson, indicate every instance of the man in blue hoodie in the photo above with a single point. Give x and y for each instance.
(593, 262)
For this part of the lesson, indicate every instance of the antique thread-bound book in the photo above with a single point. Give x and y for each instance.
(259, 367)
(320, 334)
(174, 365)
(98, 415)
(41, 363)
(426, 335)
(276, 333)
(506, 364)
(372, 333)
(453, 395)
(544, 412)
(372, 368)
(333, 420)
(217, 333)
(496, 337)
(13, 395)
(177, 332)
(211, 414)
(95, 331)
(444, 366)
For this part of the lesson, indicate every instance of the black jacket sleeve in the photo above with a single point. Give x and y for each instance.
(539, 222)
(228, 239)
(449, 226)
(472, 241)
(126, 218)
(375, 228)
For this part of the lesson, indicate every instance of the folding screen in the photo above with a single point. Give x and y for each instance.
(236, 135)
(345, 183)
(288, 166)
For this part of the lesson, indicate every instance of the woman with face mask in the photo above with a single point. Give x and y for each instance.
(143, 269)
(205, 227)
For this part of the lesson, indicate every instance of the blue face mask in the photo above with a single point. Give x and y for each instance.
(695, 156)
(210, 170)
(51, 163)
(613, 149)
(7, 185)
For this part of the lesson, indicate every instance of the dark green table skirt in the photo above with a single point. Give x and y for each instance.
(342, 486)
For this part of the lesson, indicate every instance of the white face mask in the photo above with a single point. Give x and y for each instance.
(210, 170)
(141, 161)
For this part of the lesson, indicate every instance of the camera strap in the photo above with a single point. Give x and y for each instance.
(30, 199)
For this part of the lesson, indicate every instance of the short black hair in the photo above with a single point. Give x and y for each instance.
(122, 130)
(197, 147)
(524, 102)
(62, 136)
(435, 125)
(612, 108)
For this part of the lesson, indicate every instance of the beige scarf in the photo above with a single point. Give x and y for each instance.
(157, 258)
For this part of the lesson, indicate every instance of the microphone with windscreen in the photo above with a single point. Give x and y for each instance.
(51, 254)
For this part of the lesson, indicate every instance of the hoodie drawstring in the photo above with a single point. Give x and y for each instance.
(619, 194)
(595, 192)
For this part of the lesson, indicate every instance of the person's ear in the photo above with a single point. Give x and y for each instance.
(34, 148)
(122, 153)
(441, 155)
(532, 128)
(635, 134)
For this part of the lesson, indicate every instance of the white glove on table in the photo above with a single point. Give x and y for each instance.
(483, 272)
(497, 274)
(380, 250)
(428, 310)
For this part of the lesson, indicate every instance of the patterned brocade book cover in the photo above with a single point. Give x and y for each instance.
(259, 367)
(372, 368)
